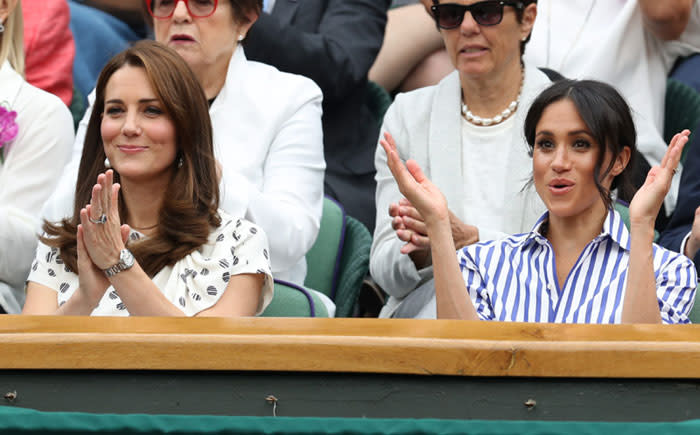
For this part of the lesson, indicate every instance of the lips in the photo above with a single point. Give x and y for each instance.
(560, 186)
(181, 38)
(472, 50)
(131, 149)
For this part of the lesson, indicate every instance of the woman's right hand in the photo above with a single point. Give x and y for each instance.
(415, 186)
(92, 280)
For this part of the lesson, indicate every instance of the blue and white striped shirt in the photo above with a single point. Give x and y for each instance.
(514, 279)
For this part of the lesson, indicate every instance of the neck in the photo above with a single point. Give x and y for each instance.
(488, 96)
(213, 76)
(575, 232)
(144, 200)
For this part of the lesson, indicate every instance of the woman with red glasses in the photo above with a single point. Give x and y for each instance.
(466, 134)
(268, 137)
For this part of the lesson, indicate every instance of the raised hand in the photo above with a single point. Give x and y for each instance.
(646, 203)
(693, 245)
(424, 196)
(103, 235)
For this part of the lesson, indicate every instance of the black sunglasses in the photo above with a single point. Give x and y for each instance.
(486, 13)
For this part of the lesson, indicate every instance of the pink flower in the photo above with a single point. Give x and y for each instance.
(8, 126)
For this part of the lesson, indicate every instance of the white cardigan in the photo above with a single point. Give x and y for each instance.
(32, 163)
(426, 125)
(269, 140)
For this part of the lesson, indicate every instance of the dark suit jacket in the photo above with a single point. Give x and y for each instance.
(688, 200)
(333, 42)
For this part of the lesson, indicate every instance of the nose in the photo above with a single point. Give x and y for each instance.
(131, 126)
(181, 13)
(469, 25)
(561, 162)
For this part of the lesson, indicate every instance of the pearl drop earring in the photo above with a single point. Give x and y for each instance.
(240, 38)
(108, 165)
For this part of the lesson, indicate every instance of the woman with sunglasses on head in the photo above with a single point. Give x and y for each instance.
(466, 134)
(268, 138)
(36, 133)
(579, 264)
(146, 236)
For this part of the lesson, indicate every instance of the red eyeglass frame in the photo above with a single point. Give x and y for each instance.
(187, 5)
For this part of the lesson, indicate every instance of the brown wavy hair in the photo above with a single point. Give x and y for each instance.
(191, 199)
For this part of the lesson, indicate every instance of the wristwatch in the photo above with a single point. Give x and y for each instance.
(126, 260)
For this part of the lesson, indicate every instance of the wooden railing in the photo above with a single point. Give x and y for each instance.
(421, 347)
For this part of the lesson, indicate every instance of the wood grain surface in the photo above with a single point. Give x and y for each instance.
(423, 347)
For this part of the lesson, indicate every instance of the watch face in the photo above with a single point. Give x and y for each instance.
(126, 258)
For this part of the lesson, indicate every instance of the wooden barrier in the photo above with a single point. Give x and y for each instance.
(430, 347)
(352, 368)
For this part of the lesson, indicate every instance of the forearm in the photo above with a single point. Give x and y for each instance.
(666, 19)
(452, 299)
(641, 303)
(77, 305)
(140, 295)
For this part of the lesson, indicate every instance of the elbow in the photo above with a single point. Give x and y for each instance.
(668, 22)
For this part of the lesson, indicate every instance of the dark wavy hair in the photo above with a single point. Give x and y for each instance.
(609, 120)
(191, 200)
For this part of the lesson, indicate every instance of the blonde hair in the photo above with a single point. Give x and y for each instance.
(12, 40)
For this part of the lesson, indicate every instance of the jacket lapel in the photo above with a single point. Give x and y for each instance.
(445, 142)
(284, 10)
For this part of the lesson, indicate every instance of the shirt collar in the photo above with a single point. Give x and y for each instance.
(614, 228)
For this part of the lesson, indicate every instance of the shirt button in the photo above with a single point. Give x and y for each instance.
(550, 287)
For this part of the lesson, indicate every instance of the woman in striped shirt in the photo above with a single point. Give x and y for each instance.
(579, 264)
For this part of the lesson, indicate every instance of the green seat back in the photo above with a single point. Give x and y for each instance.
(682, 111)
(77, 107)
(354, 266)
(694, 315)
(292, 301)
(378, 100)
(323, 259)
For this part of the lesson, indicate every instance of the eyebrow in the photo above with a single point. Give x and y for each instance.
(571, 133)
(143, 100)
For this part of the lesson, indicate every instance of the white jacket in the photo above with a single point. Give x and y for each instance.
(32, 163)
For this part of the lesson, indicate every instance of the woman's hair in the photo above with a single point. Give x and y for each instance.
(609, 121)
(191, 199)
(12, 40)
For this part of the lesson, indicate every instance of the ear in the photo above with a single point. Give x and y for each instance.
(529, 16)
(244, 26)
(6, 8)
(621, 162)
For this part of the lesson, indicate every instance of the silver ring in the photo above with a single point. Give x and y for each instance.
(100, 220)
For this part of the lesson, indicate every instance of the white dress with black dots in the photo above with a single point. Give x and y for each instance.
(193, 284)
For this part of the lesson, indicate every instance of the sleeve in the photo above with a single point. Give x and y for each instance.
(240, 247)
(676, 284)
(689, 41)
(394, 272)
(337, 56)
(289, 204)
(32, 163)
(49, 47)
(475, 285)
(48, 268)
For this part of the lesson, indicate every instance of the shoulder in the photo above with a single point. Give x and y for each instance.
(40, 106)
(668, 259)
(235, 229)
(484, 254)
(270, 80)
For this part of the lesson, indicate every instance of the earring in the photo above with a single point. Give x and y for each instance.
(108, 165)
(240, 37)
(180, 162)
(2, 27)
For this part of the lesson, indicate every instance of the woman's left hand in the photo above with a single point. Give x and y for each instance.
(647, 201)
(102, 230)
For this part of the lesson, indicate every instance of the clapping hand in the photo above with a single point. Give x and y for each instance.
(646, 203)
(103, 235)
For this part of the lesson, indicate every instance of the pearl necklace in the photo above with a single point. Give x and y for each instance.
(478, 120)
